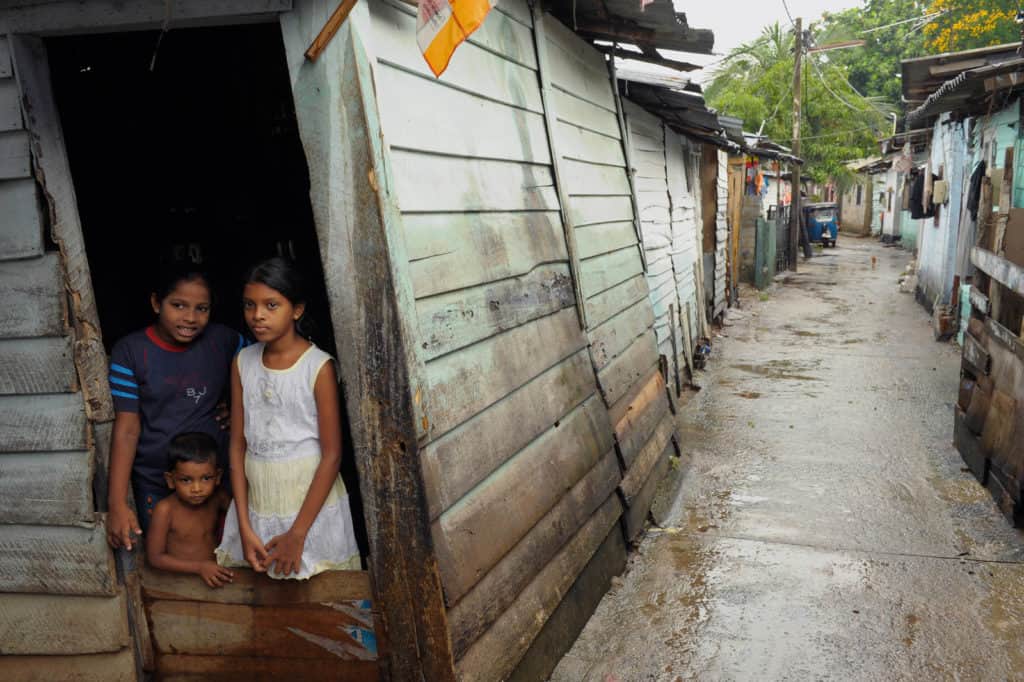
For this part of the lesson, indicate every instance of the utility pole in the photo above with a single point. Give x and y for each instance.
(794, 204)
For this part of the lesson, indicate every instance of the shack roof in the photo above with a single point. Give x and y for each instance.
(966, 92)
(651, 27)
(924, 75)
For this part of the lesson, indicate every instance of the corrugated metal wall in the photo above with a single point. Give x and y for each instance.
(60, 598)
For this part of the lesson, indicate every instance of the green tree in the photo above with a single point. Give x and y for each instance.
(967, 24)
(892, 32)
(755, 83)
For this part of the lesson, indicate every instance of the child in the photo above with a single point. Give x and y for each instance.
(291, 514)
(165, 379)
(182, 531)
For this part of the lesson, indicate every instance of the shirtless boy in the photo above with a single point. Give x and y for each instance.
(182, 531)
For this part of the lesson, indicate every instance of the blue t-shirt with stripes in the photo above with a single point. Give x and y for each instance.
(174, 389)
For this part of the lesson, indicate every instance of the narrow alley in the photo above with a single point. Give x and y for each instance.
(825, 527)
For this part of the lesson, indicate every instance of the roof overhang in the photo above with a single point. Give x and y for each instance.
(650, 27)
(922, 76)
(968, 92)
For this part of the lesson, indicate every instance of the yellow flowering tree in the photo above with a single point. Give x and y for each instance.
(967, 24)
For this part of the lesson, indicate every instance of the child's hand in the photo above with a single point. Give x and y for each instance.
(214, 575)
(122, 525)
(223, 415)
(255, 553)
(286, 551)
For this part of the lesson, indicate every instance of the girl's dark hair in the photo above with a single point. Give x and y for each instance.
(170, 276)
(281, 275)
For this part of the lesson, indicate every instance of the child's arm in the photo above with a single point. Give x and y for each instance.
(121, 520)
(286, 549)
(255, 553)
(156, 551)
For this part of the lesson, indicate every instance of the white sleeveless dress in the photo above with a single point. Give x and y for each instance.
(283, 452)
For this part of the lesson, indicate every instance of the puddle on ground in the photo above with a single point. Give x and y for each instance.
(778, 369)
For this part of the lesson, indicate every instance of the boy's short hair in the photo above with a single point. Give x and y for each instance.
(191, 447)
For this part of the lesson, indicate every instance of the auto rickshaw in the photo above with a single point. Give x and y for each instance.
(822, 221)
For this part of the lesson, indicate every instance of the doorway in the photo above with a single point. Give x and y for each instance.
(185, 146)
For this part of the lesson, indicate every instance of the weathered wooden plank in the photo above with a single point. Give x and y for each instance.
(42, 423)
(590, 210)
(115, 667)
(618, 298)
(976, 358)
(517, 9)
(578, 143)
(60, 626)
(636, 417)
(477, 531)
(1009, 274)
(10, 105)
(589, 82)
(471, 184)
(969, 447)
(174, 668)
(583, 178)
(489, 598)
(618, 377)
(496, 653)
(15, 159)
(1005, 337)
(578, 112)
(47, 140)
(43, 365)
(56, 560)
(455, 463)
(335, 631)
(635, 516)
(644, 463)
(53, 488)
(606, 271)
(34, 291)
(472, 68)
(254, 589)
(456, 122)
(600, 238)
(6, 68)
(370, 292)
(611, 338)
(577, 52)
(574, 611)
(457, 250)
(455, 320)
(455, 389)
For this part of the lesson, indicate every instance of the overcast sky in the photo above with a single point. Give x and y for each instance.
(735, 22)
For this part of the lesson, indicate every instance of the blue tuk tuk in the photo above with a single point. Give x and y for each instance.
(822, 220)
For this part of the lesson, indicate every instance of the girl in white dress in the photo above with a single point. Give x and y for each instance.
(290, 516)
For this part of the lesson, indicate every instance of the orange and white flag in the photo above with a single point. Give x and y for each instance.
(442, 25)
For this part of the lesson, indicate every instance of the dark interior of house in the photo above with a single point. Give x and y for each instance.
(185, 146)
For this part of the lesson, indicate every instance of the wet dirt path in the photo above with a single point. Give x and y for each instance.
(825, 528)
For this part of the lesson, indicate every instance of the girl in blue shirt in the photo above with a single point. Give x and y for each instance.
(165, 380)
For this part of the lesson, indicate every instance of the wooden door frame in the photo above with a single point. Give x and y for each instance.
(411, 622)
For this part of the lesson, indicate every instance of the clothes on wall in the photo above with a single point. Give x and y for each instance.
(974, 194)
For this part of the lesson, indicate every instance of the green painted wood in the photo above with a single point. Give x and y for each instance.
(459, 460)
(451, 321)
(449, 251)
(462, 384)
(496, 591)
(505, 505)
